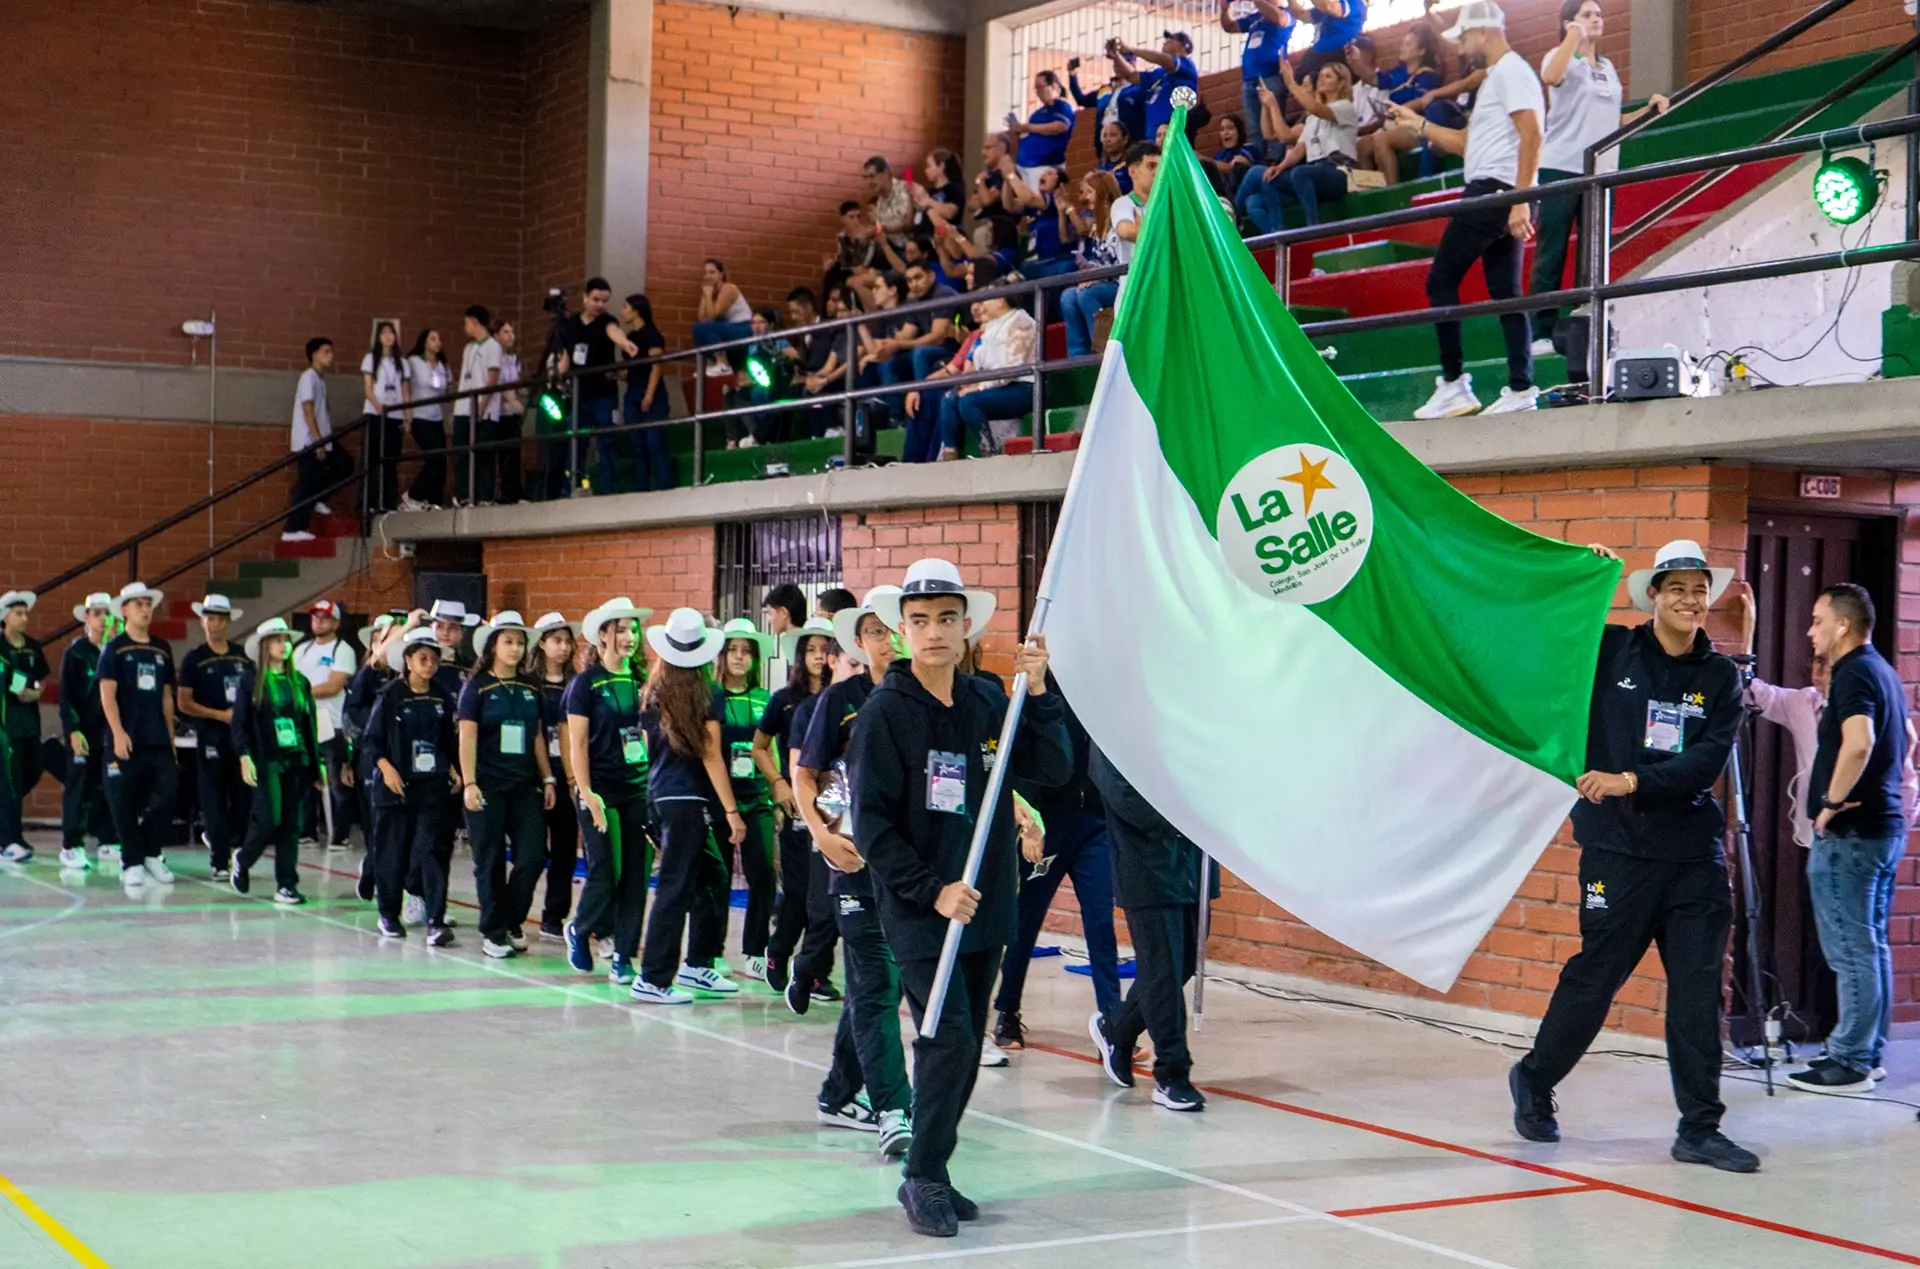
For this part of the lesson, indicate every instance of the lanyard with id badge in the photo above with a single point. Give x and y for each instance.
(286, 733)
(423, 757)
(633, 745)
(946, 782)
(1666, 727)
(741, 766)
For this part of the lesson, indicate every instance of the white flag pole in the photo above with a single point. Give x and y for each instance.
(1200, 943)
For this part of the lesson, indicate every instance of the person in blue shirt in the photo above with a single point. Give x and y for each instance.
(1042, 139)
(1268, 30)
(1173, 68)
(1235, 153)
(1411, 80)
(1335, 23)
(1050, 232)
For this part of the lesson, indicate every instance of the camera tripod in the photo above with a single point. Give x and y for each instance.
(1754, 915)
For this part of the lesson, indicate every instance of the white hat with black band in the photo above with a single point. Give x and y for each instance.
(1682, 555)
(418, 637)
(551, 622)
(502, 622)
(935, 577)
(453, 610)
(846, 622)
(18, 598)
(686, 640)
(790, 640)
(135, 590)
(271, 628)
(99, 600)
(620, 609)
(217, 606)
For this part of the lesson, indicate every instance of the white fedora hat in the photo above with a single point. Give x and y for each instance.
(268, 629)
(452, 610)
(620, 609)
(24, 598)
(418, 637)
(790, 641)
(98, 599)
(367, 633)
(551, 622)
(504, 620)
(217, 606)
(846, 622)
(743, 628)
(686, 640)
(929, 577)
(135, 590)
(1679, 555)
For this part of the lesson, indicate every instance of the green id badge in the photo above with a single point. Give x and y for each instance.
(286, 734)
(633, 745)
(741, 767)
(513, 739)
(19, 683)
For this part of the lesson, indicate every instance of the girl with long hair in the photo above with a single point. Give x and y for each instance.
(550, 668)
(807, 651)
(386, 382)
(511, 785)
(1112, 156)
(682, 712)
(277, 736)
(428, 376)
(942, 197)
(753, 773)
(1315, 166)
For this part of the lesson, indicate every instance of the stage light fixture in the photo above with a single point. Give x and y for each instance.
(1845, 189)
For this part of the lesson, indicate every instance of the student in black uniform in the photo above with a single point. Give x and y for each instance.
(922, 747)
(551, 669)
(410, 738)
(682, 714)
(213, 677)
(83, 803)
(1665, 710)
(806, 650)
(866, 1047)
(1157, 875)
(136, 681)
(752, 770)
(23, 671)
(450, 621)
(503, 745)
(277, 733)
(374, 674)
(812, 966)
(608, 757)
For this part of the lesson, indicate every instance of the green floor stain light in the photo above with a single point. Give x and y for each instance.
(1845, 188)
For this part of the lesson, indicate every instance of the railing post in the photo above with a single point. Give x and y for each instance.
(133, 562)
(1913, 150)
(699, 419)
(1283, 270)
(473, 439)
(572, 473)
(376, 428)
(1039, 377)
(849, 380)
(1596, 233)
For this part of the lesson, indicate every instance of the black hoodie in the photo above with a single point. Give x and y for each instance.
(914, 850)
(1673, 815)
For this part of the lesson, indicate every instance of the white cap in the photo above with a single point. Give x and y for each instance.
(1477, 15)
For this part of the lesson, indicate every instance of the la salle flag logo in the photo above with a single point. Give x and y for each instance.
(1295, 522)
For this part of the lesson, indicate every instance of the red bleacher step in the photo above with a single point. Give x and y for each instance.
(321, 548)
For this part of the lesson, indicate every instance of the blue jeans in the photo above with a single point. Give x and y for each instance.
(1250, 111)
(1850, 881)
(923, 429)
(596, 413)
(705, 333)
(972, 411)
(1265, 202)
(1078, 307)
(1078, 843)
(652, 465)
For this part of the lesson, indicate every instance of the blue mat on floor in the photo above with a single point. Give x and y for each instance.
(1082, 967)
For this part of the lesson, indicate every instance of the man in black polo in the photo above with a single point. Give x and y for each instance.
(1664, 713)
(591, 338)
(136, 680)
(1859, 835)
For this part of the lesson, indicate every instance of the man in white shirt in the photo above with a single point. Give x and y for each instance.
(479, 369)
(321, 465)
(1501, 143)
(328, 663)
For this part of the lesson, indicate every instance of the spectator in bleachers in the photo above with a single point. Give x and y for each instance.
(1447, 105)
(323, 466)
(475, 417)
(1049, 229)
(933, 340)
(943, 197)
(922, 442)
(383, 378)
(1370, 101)
(1114, 140)
(1042, 140)
(920, 250)
(1502, 148)
(1335, 23)
(1583, 105)
(591, 339)
(1268, 29)
(769, 354)
(723, 314)
(1009, 337)
(1375, 91)
(1172, 68)
(884, 360)
(817, 355)
(1315, 167)
(1281, 136)
(889, 200)
(996, 226)
(1233, 155)
(427, 376)
(1082, 305)
(646, 399)
(513, 412)
(856, 248)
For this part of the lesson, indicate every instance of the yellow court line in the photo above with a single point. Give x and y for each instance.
(51, 1227)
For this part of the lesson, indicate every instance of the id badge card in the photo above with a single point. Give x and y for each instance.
(513, 739)
(233, 692)
(633, 745)
(423, 757)
(579, 355)
(18, 684)
(946, 782)
(741, 768)
(553, 745)
(1666, 730)
(146, 679)
(286, 733)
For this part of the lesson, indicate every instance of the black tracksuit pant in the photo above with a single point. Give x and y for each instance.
(691, 876)
(1165, 941)
(708, 922)
(11, 828)
(803, 874)
(814, 961)
(507, 815)
(141, 790)
(24, 763)
(1481, 235)
(385, 445)
(1686, 910)
(340, 799)
(866, 1045)
(619, 862)
(406, 840)
(945, 1067)
(563, 849)
(430, 482)
(275, 821)
(83, 800)
(226, 803)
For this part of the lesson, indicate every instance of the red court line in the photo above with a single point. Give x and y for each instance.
(1463, 1201)
(1612, 1187)
(354, 876)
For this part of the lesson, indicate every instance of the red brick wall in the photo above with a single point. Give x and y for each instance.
(1719, 30)
(656, 568)
(983, 540)
(761, 121)
(554, 226)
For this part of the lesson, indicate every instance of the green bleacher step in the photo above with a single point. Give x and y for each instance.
(269, 568)
(237, 587)
(1069, 418)
(1393, 396)
(802, 458)
(1405, 347)
(1370, 255)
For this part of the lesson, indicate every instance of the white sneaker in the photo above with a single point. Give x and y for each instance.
(647, 994)
(856, 1115)
(109, 852)
(1511, 402)
(703, 978)
(1877, 1074)
(1544, 348)
(322, 509)
(1452, 398)
(157, 869)
(16, 852)
(410, 503)
(833, 433)
(720, 369)
(296, 536)
(517, 940)
(337, 847)
(497, 951)
(991, 1054)
(413, 910)
(134, 878)
(74, 857)
(755, 968)
(747, 442)
(896, 1133)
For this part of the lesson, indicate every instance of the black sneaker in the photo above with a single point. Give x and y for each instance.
(964, 1208)
(1533, 1111)
(798, 995)
(1830, 1076)
(929, 1210)
(553, 932)
(1716, 1152)
(239, 880)
(392, 929)
(779, 972)
(1115, 1064)
(825, 992)
(1008, 1033)
(439, 936)
(364, 887)
(1181, 1096)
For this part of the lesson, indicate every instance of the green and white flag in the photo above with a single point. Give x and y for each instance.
(1348, 683)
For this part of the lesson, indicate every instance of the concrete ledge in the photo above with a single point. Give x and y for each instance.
(1847, 425)
(145, 392)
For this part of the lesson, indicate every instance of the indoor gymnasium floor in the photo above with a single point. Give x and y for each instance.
(195, 1079)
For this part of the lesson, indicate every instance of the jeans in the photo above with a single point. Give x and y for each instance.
(1077, 842)
(974, 410)
(1079, 306)
(596, 415)
(1850, 880)
(1483, 236)
(866, 1044)
(515, 815)
(705, 333)
(1250, 111)
(652, 465)
(1557, 217)
(1265, 202)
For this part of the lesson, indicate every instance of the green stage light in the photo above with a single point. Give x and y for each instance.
(1845, 189)
(758, 371)
(552, 406)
